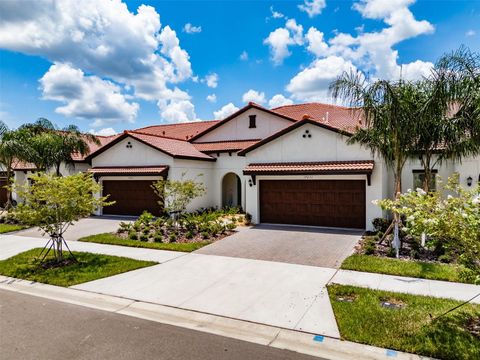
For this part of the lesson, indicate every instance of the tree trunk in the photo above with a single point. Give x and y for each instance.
(396, 216)
(8, 205)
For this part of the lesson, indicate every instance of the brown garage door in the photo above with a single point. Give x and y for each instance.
(332, 203)
(131, 197)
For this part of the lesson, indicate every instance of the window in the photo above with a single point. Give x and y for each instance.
(253, 121)
(419, 177)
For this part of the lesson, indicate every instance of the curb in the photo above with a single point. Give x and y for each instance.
(301, 342)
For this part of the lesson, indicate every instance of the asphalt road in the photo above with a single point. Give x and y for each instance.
(36, 328)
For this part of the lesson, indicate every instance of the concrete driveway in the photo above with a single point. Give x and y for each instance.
(85, 227)
(289, 244)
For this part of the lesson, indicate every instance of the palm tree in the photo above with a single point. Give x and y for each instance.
(10, 146)
(388, 108)
(49, 147)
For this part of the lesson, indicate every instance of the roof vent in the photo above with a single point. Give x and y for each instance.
(163, 132)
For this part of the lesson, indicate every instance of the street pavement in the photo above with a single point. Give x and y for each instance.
(36, 328)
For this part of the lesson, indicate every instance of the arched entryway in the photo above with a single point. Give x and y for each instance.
(231, 190)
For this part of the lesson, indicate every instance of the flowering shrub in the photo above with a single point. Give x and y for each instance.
(452, 223)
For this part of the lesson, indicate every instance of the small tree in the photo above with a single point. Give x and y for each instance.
(54, 203)
(175, 195)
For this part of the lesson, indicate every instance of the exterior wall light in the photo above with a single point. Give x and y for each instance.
(250, 182)
(469, 181)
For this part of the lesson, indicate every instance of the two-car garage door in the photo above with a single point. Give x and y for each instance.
(330, 203)
(131, 197)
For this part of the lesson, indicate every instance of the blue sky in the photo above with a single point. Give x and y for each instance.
(107, 65)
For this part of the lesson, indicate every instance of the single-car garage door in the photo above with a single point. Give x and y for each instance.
(131, 197)
(331, 203)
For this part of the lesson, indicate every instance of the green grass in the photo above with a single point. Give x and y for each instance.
(5, 228)
(113, 239)
(89, 267)
(408, 329)
(418, 269)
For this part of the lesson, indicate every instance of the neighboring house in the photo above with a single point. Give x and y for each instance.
(288, 165)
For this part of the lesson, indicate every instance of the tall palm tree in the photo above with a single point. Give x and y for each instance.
(48, 147)
(10, 147)
(388, 108)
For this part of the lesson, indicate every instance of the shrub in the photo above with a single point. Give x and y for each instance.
(205, 234)
(445, 258)
(369, 246)
(189, 235)
(146, 230)
(381, 224)
(143, 237)
(172, 237)
(124, 227)
(231, 226)
(158, 238)
(391, 252)
(414, 254)
(248, 219)
(133, 235)
(146, 218)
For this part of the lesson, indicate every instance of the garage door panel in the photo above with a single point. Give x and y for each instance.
(332, 203)
(131, 197)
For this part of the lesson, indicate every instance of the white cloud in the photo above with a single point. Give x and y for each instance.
(212, 98)
(225, 111)
(316, 42)
(281, 38)
(103, 132)
(244, 56)
(211, 80)
(190, 29)
(86, 97)
(279, 100)
(276, 14)
(313, 7)
(470, 33)
(311, 84)
(177, 111)
(254, 96)
(102, 38)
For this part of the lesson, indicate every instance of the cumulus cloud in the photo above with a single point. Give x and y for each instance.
(102, 38)
(244, 56)
(225, 111)
(190, 29)
(281, 38)
(255, 96)
(211, 80)
(279, 100)
(212, 98)
(311, 84)
(316, 42)
(276, 14)
(313, 7)
(86, 97)
(103, 132)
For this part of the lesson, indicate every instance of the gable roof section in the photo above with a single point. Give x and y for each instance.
(251, 105)
(289, 129)
(339, 117)
(104, 140)
(224, 146)
(180, 131)
(175, 148)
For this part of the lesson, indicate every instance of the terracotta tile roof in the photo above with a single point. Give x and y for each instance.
(219, 146)
(21, 165)
(339, 117)
(173, 147)
(104, 140)
(326, 167)
(129, 170)
(181, 131)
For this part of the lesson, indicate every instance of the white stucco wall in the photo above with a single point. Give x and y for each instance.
(323, 145)
(138, 155)
(238, 128)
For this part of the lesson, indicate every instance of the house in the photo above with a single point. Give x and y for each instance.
(287, 165)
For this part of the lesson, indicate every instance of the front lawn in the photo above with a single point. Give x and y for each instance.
(412, 268)
(406, 325)
(5, 228)
(89, 267)
(113, 239)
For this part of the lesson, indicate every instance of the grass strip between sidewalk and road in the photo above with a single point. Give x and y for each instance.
(112, 239)
(407, 326)
(89, 267)
(410, 268)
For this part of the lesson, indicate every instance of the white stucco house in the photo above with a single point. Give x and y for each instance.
(287, 165)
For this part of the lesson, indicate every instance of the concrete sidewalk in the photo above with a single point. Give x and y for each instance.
(402, 284)
(11, 245)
